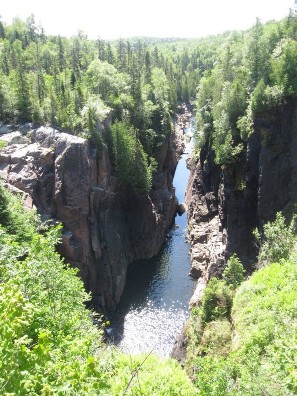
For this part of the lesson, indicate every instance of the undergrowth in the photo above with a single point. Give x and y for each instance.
(249, 349)
(48, 342)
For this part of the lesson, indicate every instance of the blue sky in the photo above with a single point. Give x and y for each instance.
(110, 19)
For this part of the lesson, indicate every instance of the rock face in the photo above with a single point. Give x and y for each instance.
(184, 113)
(225, 205)
(106, 226)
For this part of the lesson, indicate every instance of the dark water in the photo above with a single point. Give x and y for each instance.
(154, 306)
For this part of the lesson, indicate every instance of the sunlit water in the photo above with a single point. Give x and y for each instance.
(154, 306)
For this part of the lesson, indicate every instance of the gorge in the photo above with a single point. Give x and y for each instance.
(92, 137)
(106, 227)
(155, 304)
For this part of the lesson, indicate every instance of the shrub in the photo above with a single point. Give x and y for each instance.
(277, 240)
(215, 376)
(149, 375)
(216, 301)
(260, 359)
(216, 338)
(3, 144)
(233, 274)
(265, 322)
(14, 218)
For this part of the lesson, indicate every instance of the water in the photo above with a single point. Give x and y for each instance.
(154, 305)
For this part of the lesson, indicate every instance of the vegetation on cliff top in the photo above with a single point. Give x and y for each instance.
(82, 85)
(242, 340)
(48, 342)
(255, 71)
(75, 84)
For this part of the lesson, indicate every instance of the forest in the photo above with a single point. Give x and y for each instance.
(76, 85)
(124, 94)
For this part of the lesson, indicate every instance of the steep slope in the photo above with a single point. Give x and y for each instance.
(106, 225)
(226, 204)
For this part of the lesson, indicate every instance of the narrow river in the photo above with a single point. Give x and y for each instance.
(154, 305)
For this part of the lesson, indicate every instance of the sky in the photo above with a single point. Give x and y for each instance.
(111, 19)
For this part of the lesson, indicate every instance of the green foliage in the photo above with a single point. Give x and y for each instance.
(277, 240)
(284, 67)
(4, 207)
(131, 162)
(104, 80)
(264, 315)
(216, 338)
(254, 72)
(47, 336)
(216, 301)
(265, 97)
(148, 375)
(214, 376)
(48, 343)
(244, 124)
(233, 274)
(259, 356)
(2, 144)
(13, 217)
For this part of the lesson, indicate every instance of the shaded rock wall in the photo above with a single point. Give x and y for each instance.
(225, 205)
(106, 226)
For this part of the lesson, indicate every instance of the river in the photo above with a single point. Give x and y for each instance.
(155, 303)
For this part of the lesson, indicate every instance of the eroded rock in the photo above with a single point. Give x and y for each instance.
(106, 226)
(226, 204)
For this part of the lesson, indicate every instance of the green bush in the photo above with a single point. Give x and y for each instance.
(266, 97)
(214, 376)
(233, 274)
(277, 240)
(149, 375)
(3, 144)
(13, 217)
(265, 319)
(216, 301)
(216, 338)
(47, 335)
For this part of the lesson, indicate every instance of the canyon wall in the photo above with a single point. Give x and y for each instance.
(226, 204)
(106, 226)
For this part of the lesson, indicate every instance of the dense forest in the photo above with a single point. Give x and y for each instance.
(77, 84)
(254, 71)
(125, 94)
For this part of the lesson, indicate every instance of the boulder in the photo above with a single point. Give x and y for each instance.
(14, 138)
(180, 209)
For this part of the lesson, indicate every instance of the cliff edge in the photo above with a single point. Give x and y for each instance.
(106, 226)
(226, 203)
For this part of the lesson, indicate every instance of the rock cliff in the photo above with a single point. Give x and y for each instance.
(226, 204)
(106, 225)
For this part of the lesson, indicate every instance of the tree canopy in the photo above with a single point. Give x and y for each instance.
(255, 71)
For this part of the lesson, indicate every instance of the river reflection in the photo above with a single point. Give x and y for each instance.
(154, 305)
